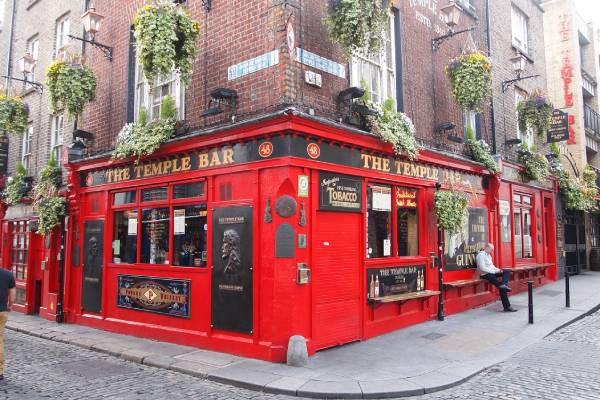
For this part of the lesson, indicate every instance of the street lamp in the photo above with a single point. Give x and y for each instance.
(92, 21)
(26, 65)
(518, 65)
(451, 16)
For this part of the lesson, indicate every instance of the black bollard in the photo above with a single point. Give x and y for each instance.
(530, 295)
(567, 291)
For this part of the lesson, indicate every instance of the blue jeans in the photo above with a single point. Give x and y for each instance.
(491, 278)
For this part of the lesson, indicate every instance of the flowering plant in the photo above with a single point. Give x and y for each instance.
(15, 186)
(451, 209)
(166, 38)
(13, 115)
(71, 86)
(579, 194)
(471, 80)
(50, 206)
(536, 112)
(536, 165)
(358, 25)
(480, 151)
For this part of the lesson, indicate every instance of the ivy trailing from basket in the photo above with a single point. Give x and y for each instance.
(578, 194)
(451, 210)
(480, 151)
(395, 128)
(358, 26)
(166, 38)
(13, 115)
(143, 138)
(15, 186)
(49, 205)
(71, 87)
(535, 112)
(536, 165)
(470, 78)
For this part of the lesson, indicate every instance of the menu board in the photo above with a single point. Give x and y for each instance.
(390, 281)
(460, 249)
(339, 192)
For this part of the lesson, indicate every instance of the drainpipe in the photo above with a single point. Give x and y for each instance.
(10, 43)
(489, 45)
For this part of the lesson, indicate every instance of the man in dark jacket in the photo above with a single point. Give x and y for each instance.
(7, 298)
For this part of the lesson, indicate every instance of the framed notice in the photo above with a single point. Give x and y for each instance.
(461, 248)
(339, 192)
(389, 281)
(158, 295)
(504, 208)
(559, 128)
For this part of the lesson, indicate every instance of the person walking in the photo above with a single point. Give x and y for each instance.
(7, 298)
(488, 271)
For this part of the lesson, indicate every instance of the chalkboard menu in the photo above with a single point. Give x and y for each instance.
(339, 192)
(4, 154)
(461, 248)
(390, 281)
(559, 129)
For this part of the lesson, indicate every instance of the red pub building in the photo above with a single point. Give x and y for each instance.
(271, 221)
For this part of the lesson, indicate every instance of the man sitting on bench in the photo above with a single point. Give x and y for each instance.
(488, 271)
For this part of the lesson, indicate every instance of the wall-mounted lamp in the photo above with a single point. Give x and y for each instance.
(76, 150)
(355, 110)
(518, 64)
(26, 65)
(448, 128)
(207, 4)
(451, 16)
(92, 21)
(512, 142)
(219, 97)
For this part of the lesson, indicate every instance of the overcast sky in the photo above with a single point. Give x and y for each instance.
(589, 10)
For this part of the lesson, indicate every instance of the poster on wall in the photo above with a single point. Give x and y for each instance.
(232, 269)
(461, 249)
(390, 281)
(339, 192)
(157, 295)
(504, 207)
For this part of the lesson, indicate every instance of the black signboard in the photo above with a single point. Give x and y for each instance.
(232, 269)
(559, 129)
(158, 295)
(4, 154)
(91, 293)
(461, 248)
(389, 281)
(339, 192)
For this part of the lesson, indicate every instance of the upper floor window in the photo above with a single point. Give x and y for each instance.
(527, 136)
(467, 5)
(378, 72)
(62, 33)
(472, 122)
(26, 147)
(56, 136)
(33, 50)
(150, 95)
(519, 29)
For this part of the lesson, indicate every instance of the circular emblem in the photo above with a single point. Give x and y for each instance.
(89, 179)
(265, 149)
(286, 206)
(313, 150)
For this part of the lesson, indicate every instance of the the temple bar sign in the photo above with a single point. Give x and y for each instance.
(559, 129)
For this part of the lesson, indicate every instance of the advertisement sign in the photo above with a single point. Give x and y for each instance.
(461, 249)
(232, 269)
(389, 281)
(559, 129)
(158, 295)
(339, 192)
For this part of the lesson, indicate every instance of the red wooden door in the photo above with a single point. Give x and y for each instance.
(336, 279)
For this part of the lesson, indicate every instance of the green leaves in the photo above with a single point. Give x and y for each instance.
(535, 112)
(480, 151)
(166, 39)
(71, 87)
(15, 186)
(451, 210)
(536, 165)
(578, 194)
(13, 115)
(471, 80)
(397, 129)
(50, 210)
(359, 26)
(49, 205)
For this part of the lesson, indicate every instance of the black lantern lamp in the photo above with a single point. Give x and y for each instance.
(92, 21)
(451, 15)
(76, 150)
(448, 128)
(518, 65)
(220, 97)
(512, 142)
(356, 110)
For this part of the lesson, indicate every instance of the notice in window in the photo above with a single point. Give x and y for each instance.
(132, 226)
(117, 247)
(387, 247)
(179, 221)
(382, 199)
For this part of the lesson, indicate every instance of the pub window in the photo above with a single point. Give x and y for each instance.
(186, 190)
(124, 198)
(407, 230)
(19, 251)
(379, 221)
(125, 236)
(522, 216)
(155, 236)
(189, 235)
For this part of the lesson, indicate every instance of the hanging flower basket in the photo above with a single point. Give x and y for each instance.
(471, 80)
(16, 186)
(71, 86)
(536, 165)
(397, 129)
(358, 26)
(480, 151)
(49, 205)
(451, 210)
(166, 38)
(13, 115)
(535, 112)
(578, 194)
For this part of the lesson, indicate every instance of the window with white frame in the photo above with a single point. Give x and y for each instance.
(467, 5)
(378, 72)
(26, 147)
(519, 29)
(150, 96)
(527, 136)
(470, 121)
(56, 136)
(33, 50)
(62, 33)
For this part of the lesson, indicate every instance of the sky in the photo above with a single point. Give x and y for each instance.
(589, 10)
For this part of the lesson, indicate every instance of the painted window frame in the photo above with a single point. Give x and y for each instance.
(145, 94)
(61, 34)
(26, 143)
(57, 132)
(519, 22)
(33, 48)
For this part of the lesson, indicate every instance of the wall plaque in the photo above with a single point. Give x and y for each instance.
(285, 241)
(93, 250)
(158, 295)
(339, 192)
(461, 248)
(286, 206)
(389, 281)
(231, 305)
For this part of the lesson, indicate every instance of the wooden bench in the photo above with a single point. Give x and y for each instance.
(404, 297)
(530, 267)
(462, 283)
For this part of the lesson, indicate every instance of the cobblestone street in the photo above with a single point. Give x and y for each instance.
(565, 365)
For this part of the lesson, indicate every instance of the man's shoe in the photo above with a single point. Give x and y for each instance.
(505, 287)
(510, 309)
(1, 377)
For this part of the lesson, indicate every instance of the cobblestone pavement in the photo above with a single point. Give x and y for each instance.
(565, 365)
